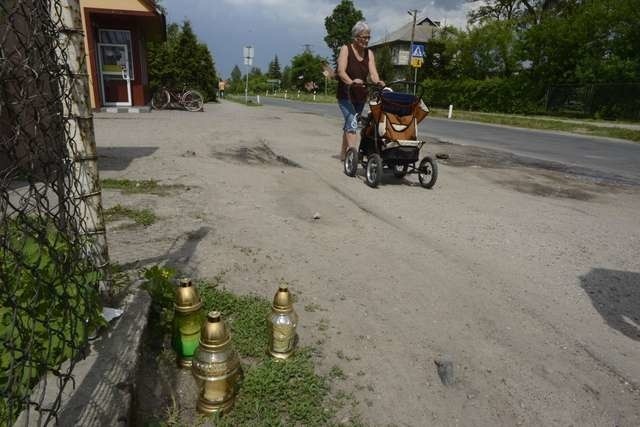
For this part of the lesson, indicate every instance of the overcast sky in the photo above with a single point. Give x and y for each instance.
(283, 27)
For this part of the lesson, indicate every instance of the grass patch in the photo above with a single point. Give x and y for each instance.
(143, 217)
(129, 186)
(272, 392)
(275, 393)
(245, 315)
(583, 128)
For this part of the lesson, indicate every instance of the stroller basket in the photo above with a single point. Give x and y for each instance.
(401, 154)
(401, 104)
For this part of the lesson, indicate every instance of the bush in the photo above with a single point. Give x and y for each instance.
(50, 304)
(498, 95)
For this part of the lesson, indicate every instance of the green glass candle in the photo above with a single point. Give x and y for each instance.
(187, 322)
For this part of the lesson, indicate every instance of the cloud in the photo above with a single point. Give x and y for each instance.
(282, 27)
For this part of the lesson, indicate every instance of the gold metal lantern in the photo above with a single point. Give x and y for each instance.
(187, 321)
(282, 322)
(216, 367)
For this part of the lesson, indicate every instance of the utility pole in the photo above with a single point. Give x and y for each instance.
(248, 60)
(307, 48)
(413, 12)
(86, 207)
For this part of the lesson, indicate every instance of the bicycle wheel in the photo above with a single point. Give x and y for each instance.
(160, 99)
(193, 100)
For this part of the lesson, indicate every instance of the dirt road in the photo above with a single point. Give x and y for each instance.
(528, 279)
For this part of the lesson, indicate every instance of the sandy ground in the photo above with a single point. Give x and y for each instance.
(528, 279)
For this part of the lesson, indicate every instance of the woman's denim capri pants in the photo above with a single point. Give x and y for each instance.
(350, 111)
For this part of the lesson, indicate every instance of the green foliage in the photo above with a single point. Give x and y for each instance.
(384, 64)
(307, 67)
(491, 95)
(286, 78)
(483, 52)
(538, 44)
(274, 69)
(275, 393)
(50, 304)
(246, 316)
(143, 217)
(339, 25)
(596, 42)
(236, 82)
(182, 61)
(159, 285)
(272, 392)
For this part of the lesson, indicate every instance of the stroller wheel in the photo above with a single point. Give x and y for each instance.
(428, 172)
(351, 162)
(399, 171)
(374, 170)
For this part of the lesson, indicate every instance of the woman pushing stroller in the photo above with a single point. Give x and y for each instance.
(355, 63)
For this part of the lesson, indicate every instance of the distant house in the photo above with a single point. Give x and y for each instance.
(116, 32)
(399, 41)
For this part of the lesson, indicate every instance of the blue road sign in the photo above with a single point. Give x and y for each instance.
(417, 51)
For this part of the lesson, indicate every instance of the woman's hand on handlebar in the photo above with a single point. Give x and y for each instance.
(357, 82)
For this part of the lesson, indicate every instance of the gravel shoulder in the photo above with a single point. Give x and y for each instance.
(527, 277)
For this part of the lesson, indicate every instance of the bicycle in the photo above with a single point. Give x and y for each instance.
(191, 100)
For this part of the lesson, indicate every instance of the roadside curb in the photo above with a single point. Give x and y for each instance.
(105, 379)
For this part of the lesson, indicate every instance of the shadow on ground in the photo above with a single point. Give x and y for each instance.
(119, 158)
(616, 296)
(178, 254)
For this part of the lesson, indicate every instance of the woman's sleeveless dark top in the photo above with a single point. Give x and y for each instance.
(355, 70)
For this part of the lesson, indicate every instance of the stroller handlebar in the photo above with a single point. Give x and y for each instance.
(376, 90)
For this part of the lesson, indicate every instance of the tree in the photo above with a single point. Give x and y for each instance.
(524, 10)
(384, 64)
(591, 43)
(237, 84)
(182, 61)
(306, 67)
(274, 69)
(339, 25)
(286, 78)
(483, 52)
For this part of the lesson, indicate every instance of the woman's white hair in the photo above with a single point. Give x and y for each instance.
(359, 28)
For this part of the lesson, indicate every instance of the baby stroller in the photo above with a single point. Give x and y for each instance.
(389, 137)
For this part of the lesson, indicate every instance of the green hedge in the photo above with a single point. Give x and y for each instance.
(495, 95)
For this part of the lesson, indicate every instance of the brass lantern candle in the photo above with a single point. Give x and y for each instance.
(216, 367)
(282, 322)
(187, 322)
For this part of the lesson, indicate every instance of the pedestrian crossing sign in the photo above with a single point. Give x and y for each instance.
(417, 51)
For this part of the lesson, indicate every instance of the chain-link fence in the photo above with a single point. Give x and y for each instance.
(606, 100)
(52, 245)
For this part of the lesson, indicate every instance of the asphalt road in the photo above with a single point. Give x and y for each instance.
(602, 157)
